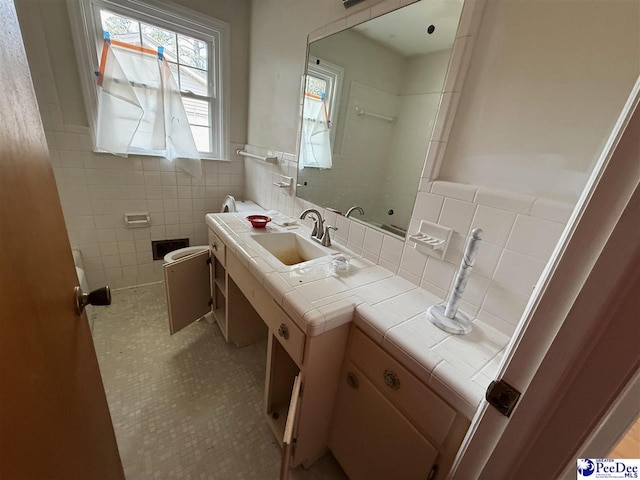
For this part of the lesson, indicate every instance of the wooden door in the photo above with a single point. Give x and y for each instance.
(54, 418)
(371, 439)
(188, 290)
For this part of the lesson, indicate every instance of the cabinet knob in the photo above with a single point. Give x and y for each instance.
(214, 245)
(283, 331)
(352, 380)
(391, 379)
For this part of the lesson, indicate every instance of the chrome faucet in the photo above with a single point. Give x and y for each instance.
(355, 207)
(320, 233)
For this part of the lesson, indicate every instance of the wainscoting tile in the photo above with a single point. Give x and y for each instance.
(551, 210)
(495, 223)
(457, 214)
(520, 272)
(459, 191)
(534, 236)
(428, 207)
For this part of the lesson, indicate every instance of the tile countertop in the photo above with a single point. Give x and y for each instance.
(388, 308)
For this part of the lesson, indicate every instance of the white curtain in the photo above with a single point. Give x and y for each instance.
(316, 137)
(141, 110)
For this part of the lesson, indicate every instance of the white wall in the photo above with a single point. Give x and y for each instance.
(97, 189)
(545, 86)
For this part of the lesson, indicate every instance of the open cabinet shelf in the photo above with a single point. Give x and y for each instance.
(220, 284)
(219, 275)
(281, 374)
(277, 419)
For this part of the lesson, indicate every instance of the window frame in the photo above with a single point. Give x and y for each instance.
(333, 75)
(88, 40)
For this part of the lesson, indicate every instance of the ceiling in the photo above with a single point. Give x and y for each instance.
(405, 30)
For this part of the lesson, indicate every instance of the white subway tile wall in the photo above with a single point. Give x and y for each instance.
(520, 233)
(99, 189)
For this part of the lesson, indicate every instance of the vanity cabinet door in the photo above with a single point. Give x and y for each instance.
(289, 429)
(188, 290)
(370, 438)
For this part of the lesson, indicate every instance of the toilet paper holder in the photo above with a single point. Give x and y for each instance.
(137, 220)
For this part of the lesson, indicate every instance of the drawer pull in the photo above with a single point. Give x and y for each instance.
(391, 379)
(352, 380)
(283, 331)
(214, 245)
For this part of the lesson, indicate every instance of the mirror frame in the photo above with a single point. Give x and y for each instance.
(457, 69)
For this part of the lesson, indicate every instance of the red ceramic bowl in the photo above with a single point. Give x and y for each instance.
(259, 221)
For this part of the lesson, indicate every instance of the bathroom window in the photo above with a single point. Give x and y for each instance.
(321, 99)
(195, 47)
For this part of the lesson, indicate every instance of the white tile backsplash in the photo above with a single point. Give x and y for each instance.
(504, 200)
(428, 207)
(518, 240)
(459, 191)
(505, 303)
(534, 236)
(551, 210)
(476, 289)
(392, 250)
(457, 214)
(519, 272)
(439, 273)
(373, 241)
(356, 234)
(413, 262)
(496, 224)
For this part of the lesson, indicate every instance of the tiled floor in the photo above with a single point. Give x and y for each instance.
(187, 406)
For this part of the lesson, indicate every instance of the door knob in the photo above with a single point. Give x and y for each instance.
(100, 296)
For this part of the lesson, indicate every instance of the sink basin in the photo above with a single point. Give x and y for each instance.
(289, 248)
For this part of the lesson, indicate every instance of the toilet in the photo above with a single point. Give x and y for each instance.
(183, 252)
(229, 205)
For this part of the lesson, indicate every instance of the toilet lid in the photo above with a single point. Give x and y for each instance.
(183, 252)
(229, 204)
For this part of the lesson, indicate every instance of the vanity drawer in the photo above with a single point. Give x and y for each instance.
(425, 408)
(217, 247)
(284, 329)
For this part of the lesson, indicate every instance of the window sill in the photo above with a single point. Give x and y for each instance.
(205, 156)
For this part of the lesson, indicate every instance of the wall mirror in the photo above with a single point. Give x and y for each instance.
(370, 101)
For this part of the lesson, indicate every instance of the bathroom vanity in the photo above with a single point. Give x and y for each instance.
(371, 381)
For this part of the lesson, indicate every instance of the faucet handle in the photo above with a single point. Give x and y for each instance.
(314, 232)
(326, 238)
